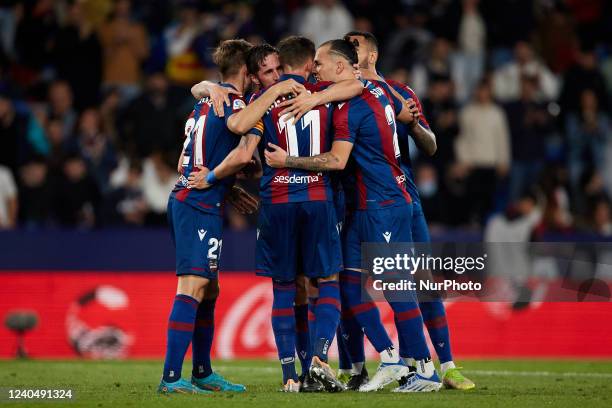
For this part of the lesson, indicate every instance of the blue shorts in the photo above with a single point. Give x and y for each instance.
(420, 231)
(340, 207)
(196, 236)
(384, 225)
(296, 237)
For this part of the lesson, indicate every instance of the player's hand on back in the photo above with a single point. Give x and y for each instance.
(297, 107)
(289, 86)
(197, 179)
(220, 95)
(242, 201)
(275, 156)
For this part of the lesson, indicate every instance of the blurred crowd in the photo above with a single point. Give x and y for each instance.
(94, 95)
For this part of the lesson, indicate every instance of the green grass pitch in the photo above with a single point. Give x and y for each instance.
(500, 383)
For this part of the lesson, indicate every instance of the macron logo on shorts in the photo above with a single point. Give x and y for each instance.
(387, 236)
(202, 234)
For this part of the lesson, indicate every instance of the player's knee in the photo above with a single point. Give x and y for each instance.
(192, 286)
(212, 290)
(312, 288)
(301, 294)
(330, 278)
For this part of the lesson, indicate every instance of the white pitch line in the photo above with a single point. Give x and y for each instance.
(475, 372)
(537, 373)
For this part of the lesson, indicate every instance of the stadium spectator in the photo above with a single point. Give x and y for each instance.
(55, 143)
(183, 48)
(11, 129)
(429, 192)
(35, 192)
(483, 150)
(95, 148)
(78, 57)
(515, 228)
(126, 204)
(61, 106)
(557, 40)
(557, 218)
(37, 24)
(530, 123)
(471, 44)
(9, 13)
(408, 44)
(507, 79)
(599, 219)
(151, 119)
(158, 180)
(126, 46)
(443, 115)
(325, 20)
(439, 63)
(588, 133)
(109, 114)
(8, 199)
(76, 197)
(585, 74)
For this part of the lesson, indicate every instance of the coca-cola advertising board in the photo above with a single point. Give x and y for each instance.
(124, 315)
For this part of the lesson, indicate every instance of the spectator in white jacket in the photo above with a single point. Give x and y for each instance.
(507, 79)
(325, 20)
(482, 150)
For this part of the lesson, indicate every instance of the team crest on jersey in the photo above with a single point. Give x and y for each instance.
(238, 104)
(213, 264)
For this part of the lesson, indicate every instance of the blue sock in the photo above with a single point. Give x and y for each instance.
(366, 313)
(203, 338)
(344, 360)
(327, 316)
(434, 316)
(312, 330)
(352, 337)
(283, 325)
(409, 323)
(302, 336)
(180, 332)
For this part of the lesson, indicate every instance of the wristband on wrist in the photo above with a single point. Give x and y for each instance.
(211, 178)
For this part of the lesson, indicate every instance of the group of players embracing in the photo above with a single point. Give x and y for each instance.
(332, 138)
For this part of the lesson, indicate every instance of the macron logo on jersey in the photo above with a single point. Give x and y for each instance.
(387, 236)
(202, 234)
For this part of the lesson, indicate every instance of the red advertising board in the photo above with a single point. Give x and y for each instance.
(124, 315)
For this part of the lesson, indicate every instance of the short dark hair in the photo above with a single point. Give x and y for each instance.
(231, 55)
(369, 37)
(295, 50)
(343, 48)
(257, 55)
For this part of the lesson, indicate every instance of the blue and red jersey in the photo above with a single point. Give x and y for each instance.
(208, 141)
(403, 133)
(375, 178)
(311, 136)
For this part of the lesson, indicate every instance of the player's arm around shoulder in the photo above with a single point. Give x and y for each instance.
(243, 121)
(219, 95)
(324, 93)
